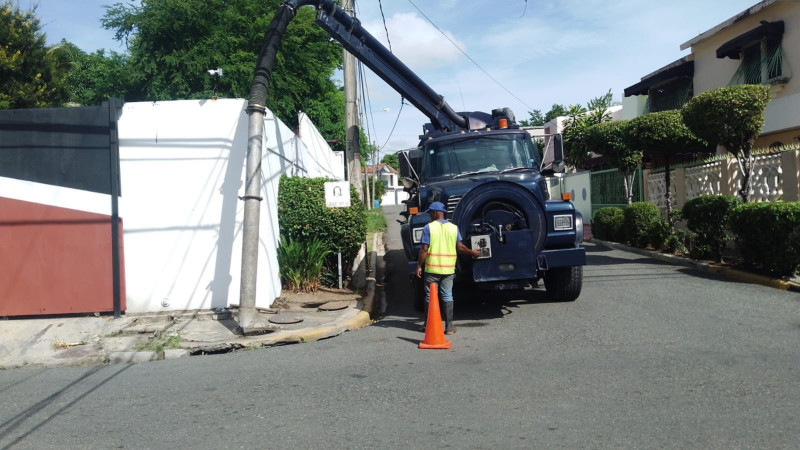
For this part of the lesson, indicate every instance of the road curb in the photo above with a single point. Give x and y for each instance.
(727, 272)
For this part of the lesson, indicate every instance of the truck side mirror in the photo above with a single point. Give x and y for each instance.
(558, 148)
(410, 166)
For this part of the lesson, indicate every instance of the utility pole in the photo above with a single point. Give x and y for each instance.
(352, 149)
(375, 155)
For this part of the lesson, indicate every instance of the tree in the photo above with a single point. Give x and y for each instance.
(663, 133)
(392, 160)
(536, 119)
(610, 139)
(92, 78)
(173, 44)
(578, 121)
(29, 72)
(555, 111)
(732, 117)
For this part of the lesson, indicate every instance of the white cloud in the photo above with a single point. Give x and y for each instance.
(416, 42)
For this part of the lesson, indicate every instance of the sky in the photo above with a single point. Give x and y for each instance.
(540, 52)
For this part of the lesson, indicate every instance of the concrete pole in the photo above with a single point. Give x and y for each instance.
(252, 212)
(352, 149)
(374, 170)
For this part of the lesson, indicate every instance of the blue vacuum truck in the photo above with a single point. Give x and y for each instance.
(482, 166)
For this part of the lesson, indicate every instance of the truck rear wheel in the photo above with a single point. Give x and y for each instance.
(564, 284)
(418, 288)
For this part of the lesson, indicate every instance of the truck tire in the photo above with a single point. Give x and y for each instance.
(564, 284)
(502, 191)
(418, 290)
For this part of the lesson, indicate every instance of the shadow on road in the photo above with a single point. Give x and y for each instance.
(10, 425)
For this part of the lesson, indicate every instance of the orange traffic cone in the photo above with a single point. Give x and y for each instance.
(434, 334)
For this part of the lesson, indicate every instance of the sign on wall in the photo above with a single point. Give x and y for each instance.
(337, 194)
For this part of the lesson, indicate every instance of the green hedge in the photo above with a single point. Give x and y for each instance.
(639, 217)
(303, 216)
(709, 216)
(768, 235)
(607, 223)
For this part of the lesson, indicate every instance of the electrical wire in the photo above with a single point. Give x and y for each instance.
(402, 102)
(380, 5)
(469, 57)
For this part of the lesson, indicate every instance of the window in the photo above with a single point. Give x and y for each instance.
(474, 155)
(762, 63)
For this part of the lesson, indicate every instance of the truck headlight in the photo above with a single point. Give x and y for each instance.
(416, 235)
(561, 223)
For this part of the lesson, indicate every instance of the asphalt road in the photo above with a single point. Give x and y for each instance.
(650, 356)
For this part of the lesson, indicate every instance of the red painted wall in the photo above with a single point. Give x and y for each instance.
(55, 260)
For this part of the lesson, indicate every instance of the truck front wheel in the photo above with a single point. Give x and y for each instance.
(563, 284)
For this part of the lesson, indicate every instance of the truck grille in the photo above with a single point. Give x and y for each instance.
(452, 202)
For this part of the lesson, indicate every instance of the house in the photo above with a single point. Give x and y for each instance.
(391, 179)
(757, 46)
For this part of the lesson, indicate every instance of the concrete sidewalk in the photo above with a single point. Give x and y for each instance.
(70, 341)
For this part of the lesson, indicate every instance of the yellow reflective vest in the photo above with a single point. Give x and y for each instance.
(442, 249)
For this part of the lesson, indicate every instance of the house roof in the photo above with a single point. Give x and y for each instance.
(683, 67)
(730, 22)
(380, 168)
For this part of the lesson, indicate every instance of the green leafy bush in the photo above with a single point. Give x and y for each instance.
(658, 232)
(303, 216)
(675, 242)
(636, 226)
(768, 235)
(607, 223)
(709, 217)
(301, 263)
(662, 133)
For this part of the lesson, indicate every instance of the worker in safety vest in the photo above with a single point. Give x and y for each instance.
(441, 241)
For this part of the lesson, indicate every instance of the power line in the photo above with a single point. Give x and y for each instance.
(395, 124)
(469, 57)
(383, 17)
(380, 5)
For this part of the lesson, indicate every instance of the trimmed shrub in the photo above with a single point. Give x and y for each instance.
(638, 217)
(730, 116)
(709, 217)
(303, 216)
(607, 223)
(768, 235)
(301, 263)
(658, 232)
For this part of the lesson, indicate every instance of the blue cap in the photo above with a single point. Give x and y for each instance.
(436, 206)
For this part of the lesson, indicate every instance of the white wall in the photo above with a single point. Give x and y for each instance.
(394, 196)
(320, 160)
(182, 171)
(579, 185)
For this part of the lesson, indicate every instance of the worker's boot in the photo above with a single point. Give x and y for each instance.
(448, 318)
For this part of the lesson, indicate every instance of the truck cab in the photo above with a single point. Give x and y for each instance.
(491, 182)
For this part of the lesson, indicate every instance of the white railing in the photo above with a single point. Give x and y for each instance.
(766, 179)
(773, 177)
(705, 179)
(657, 188)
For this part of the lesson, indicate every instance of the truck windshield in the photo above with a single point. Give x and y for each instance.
(474, 155)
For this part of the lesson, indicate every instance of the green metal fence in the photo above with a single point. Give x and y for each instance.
(607, 189)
